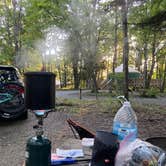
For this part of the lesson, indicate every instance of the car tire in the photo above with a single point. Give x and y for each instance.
(24, 116)
(15, 108)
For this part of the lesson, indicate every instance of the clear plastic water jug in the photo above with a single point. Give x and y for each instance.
(125, 122)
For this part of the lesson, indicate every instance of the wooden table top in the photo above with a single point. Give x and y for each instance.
(73, 143)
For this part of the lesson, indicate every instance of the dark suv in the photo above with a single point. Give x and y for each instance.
(11, 94)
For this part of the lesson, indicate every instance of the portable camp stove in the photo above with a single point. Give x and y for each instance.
(40, 99)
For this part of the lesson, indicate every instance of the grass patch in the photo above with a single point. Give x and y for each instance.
(149, 108)
(149, 93)
(109, 104)
(75, 105)
(99, 94)
(105, 105)
(162, 94)
(67, 102)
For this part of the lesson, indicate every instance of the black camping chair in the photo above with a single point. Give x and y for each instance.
(105, 148)
(79, 131)
(158, 141)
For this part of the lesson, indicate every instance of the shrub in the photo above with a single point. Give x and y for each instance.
(151, 93)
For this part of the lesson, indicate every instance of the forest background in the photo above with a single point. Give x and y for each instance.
(83, 41)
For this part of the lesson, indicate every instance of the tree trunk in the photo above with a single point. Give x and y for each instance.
(138, 60)
(145, 64)
(15, 28)
(20, 25)
(153, 62)
(65, 75)
(9, 39)
(60, 76)
(76, 75)
(115, 41)
(164, 79)
(95, 87)
(157, 69)
(125, 48)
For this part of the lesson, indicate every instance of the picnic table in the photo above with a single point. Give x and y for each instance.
(72, 143)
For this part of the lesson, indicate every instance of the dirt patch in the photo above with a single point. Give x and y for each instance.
(13, 135)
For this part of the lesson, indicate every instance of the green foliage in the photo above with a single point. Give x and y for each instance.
(5, 59)
(149, 93)
(109, 104)
(158, 6)
(42, 14)
(91, 33)
(117, 81)
(26, 22)
(151, 15)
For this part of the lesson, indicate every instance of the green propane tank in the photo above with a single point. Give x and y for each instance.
(38, 151)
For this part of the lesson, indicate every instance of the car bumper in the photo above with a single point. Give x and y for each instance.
(6, 115)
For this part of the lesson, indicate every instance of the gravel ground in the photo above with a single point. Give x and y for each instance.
(14, 134)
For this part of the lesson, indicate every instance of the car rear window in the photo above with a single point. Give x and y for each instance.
(8, 75)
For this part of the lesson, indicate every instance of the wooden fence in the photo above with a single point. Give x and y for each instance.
(139, 83)
(133, 83)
